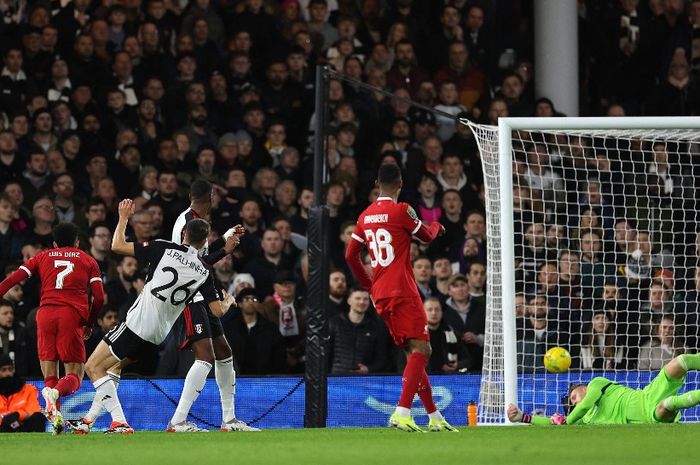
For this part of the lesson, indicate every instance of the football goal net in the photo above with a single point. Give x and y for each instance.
(593, 246)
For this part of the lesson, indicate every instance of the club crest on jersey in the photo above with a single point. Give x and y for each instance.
(412, 213)
(198, 328)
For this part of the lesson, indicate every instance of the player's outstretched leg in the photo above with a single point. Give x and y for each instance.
(418, 355)
(52, 403)
(682, 401)
(106, 391)
(437, 422)
(683, 363)
(194, 383)
(85, 424)
(52, 412)
(225, 376)
(70, 383)
(677, 369)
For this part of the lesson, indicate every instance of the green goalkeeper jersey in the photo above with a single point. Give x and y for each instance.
(609, 403)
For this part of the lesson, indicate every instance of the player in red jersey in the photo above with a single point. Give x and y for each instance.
(65, 315)
(386, 228)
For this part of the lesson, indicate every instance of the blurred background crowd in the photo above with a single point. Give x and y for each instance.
(102, 100)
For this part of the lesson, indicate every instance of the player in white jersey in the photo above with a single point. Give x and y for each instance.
(195, 329)
(176, 273)
(199, 330)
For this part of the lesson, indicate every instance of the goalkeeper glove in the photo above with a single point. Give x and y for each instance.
(515, 415)
(558, 419)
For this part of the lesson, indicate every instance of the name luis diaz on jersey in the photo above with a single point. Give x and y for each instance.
(197, 267)
(60, 253)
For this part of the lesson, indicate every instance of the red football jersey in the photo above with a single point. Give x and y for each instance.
(66, 274)
(386, 228)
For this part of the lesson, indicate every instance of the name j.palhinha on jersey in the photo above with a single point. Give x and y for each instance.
(384, 218)
(197, 267)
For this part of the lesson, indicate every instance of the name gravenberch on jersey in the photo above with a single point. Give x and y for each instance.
(197, 267)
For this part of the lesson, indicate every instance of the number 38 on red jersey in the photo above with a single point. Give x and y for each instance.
(386, 228)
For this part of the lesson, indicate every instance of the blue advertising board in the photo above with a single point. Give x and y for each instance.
(353, 401)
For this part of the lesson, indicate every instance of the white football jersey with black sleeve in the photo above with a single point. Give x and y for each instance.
(176, 274)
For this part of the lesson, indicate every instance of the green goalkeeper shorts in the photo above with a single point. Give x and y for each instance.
(660, 388)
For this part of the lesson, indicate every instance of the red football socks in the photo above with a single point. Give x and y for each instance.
(425, 392)
(412, 376)
(51, 381)
(68, 384)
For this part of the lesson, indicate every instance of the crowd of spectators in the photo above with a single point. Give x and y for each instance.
(102, 100)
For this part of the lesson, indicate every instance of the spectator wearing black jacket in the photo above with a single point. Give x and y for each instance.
(257, 345)
(122, 288)
(467, 317)
(449, 352)
(358, 342)
(13, 342)
(264, 267)
(10, 241)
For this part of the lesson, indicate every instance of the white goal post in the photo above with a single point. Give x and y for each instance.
(546, 153)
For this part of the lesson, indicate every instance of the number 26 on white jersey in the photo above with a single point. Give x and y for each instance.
(379, 243)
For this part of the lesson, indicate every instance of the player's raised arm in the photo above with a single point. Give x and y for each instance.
(428, 233)
(419, 229)
(224, 245)
(15, 278)
(119, 243)
(23, 272)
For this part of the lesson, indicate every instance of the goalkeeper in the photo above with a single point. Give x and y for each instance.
(604, 402)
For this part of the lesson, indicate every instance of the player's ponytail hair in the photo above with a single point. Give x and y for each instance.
(65, 234)
(197, 231)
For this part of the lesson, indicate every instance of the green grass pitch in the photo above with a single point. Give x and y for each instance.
(607, 445)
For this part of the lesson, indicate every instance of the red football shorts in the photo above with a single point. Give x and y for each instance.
(59, 332)
(405, 318)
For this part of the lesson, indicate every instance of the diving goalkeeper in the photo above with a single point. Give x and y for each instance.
(604, 402)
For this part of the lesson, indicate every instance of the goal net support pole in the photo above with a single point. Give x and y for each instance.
(316, 370)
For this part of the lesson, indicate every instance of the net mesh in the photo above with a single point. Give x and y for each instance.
(606, 258)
